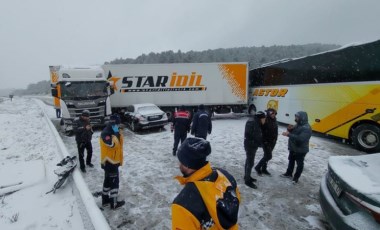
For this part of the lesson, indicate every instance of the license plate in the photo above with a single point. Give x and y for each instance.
(154, 117)
(335, 187)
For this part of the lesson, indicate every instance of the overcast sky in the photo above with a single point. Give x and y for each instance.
(39, 33)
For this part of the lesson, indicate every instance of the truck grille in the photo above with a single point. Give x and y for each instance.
(96, 113)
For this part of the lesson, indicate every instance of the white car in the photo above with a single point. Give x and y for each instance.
(350, 192)
(144, 116)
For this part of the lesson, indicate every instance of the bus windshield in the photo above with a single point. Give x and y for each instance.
(71, 90)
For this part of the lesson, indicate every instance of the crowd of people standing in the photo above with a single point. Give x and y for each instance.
(214, 193)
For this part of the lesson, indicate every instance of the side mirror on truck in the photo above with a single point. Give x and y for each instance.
(54, 92)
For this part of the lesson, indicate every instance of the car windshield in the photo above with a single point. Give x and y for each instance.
(147, 108)
(83, 89)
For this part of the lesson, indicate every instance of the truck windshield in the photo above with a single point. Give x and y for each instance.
(83, 89)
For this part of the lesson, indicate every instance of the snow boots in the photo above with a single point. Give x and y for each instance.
(264, 171)
(105, 200)
(258, 170)
(117, 204)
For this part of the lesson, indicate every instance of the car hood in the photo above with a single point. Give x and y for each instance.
(361, 173)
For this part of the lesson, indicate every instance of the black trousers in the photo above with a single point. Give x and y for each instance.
(111, 185)
(81, 148)
(249, 161)
(178, 136)
(295, 158)
(263, 163)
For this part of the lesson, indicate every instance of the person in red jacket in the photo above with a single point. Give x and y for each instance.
(210, 198)
(180, 126)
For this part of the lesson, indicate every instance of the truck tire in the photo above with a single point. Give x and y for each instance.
(366, 137)
(169, 114)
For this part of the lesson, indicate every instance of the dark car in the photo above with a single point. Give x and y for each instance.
(144, 116)
(350, 192)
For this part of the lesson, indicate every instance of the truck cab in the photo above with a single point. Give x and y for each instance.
(80, 88)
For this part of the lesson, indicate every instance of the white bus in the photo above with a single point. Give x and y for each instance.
(339, 89)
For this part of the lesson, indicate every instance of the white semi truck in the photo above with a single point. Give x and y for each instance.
(80, 88)
(221, 87)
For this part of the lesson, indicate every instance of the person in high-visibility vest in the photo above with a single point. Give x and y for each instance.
(210, 198)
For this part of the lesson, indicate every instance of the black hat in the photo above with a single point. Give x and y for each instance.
(193, 152)
(85, 113)
(271, 111)
(260, 114)
(115, 119)
(201, 107)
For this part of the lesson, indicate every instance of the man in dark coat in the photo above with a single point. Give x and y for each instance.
(201, 123)
(298, 145)
(270, 133)
(180, 126)
(252, 141)
(83, 135)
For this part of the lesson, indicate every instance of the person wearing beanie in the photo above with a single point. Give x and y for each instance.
(83, 135)
(270, 134)
(252, 141)
(210, 198)
(201, 123)
(111, 158)
(298, 145)
(180, 126)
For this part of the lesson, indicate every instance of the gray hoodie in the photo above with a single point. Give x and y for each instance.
(300, 135)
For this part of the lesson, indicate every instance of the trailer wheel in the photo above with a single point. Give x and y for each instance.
(366, 137)
(169, 114)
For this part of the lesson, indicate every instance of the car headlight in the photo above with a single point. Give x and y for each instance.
(140, 117)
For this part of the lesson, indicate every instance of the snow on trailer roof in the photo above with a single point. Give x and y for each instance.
(350, 45)
(94, 67)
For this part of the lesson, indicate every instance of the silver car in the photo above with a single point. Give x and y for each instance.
(144, 116)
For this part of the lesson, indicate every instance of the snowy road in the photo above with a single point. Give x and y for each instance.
(148, 187)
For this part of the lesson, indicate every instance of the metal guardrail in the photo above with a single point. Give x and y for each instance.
(97, 219)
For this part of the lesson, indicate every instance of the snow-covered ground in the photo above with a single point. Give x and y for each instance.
(147, 183)
(28, 154)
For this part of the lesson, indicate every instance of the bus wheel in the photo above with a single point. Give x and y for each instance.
(367, 138)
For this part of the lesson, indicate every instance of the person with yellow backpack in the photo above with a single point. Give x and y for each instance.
(210, 198)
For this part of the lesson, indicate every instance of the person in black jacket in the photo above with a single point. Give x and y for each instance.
(201, 123)
(83, 135)
(180, 126)
(252, 141)
(298, 145)
(270, 133)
